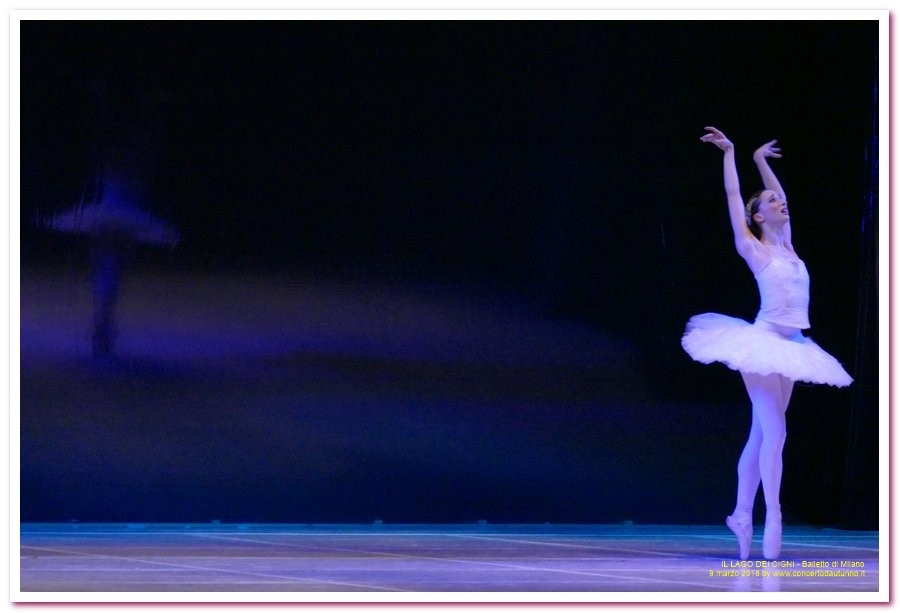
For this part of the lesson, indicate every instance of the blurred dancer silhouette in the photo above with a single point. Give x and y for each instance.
(117, 217)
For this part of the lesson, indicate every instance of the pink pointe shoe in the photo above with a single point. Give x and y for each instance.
(772, 539)
(743, 530)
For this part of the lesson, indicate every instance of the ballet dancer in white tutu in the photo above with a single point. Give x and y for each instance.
(118, 219)
(771, 353)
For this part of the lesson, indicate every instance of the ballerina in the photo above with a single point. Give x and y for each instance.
(117, 219)
(771, 353)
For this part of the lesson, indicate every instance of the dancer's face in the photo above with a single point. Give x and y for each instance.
(772, 208)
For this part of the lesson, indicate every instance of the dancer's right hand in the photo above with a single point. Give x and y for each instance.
(716, 137)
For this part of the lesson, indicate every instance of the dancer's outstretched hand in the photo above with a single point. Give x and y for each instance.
(716, 137)
(769, 150)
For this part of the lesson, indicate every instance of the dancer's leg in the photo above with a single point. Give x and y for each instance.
(741, 520)
(108, 255)
(106, 277)
(770, 395)
(748, 471)
(787, 388)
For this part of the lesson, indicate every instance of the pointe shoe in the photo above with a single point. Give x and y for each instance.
(772, 539)
(743, 530)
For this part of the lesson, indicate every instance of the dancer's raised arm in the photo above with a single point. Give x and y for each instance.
(744, 241)
(768, 150)
(770, 181)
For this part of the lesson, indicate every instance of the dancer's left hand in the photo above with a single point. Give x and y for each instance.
(769, 150)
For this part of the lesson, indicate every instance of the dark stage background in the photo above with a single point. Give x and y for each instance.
(439, 271)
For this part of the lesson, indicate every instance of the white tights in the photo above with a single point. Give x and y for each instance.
(761, 458)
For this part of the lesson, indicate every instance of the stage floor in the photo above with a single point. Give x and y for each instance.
(305, 560)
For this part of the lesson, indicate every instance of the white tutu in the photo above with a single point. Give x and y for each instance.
(747, 347)
(98, 218)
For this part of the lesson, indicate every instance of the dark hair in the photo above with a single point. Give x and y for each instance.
(752, 209)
